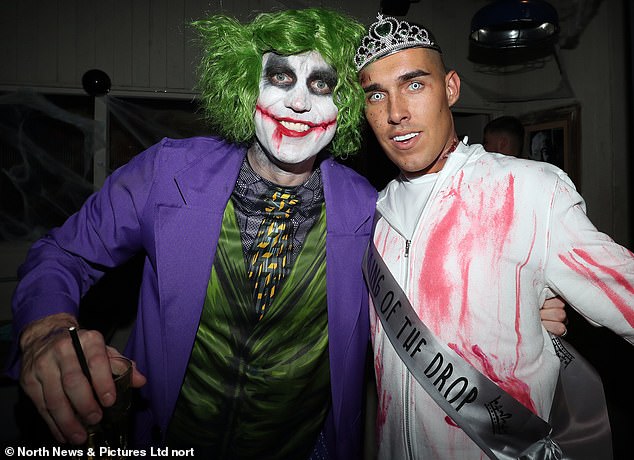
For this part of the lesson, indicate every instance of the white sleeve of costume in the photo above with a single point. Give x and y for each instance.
(593, 274)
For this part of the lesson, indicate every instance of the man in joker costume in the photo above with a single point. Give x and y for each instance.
(229, 371)
(476, 241)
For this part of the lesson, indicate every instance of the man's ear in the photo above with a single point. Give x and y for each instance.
(452, 83)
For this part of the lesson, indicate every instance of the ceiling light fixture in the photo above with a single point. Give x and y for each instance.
(521, 28)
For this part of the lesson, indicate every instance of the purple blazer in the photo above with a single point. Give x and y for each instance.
(168, 202)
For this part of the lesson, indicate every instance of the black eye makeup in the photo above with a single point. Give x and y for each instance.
(277, 72)
(280, 77)
(322, 82)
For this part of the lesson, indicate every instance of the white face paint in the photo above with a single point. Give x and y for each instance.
(295, 116)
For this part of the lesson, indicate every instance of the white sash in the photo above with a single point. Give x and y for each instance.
(500, 425)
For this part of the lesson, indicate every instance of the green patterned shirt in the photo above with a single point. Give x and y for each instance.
(257, 389)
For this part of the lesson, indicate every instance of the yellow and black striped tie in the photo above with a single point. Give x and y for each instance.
(269, 253)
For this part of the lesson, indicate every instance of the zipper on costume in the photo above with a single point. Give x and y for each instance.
(407, 390)
(407, 416)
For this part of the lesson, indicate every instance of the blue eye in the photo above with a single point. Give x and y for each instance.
(415, 85)
(280, 79)
(320, 87)
(375, 97)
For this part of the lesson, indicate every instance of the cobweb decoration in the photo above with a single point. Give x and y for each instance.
(47, 144)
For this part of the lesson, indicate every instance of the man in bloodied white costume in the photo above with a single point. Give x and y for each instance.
(476, 241)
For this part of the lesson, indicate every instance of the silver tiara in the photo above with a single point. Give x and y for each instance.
(388, 35)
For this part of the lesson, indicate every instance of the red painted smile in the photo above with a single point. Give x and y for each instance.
(295, 128)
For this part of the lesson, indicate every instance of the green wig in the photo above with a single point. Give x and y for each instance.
(232, 63)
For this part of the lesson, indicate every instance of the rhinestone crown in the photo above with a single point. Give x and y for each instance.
(388, 35)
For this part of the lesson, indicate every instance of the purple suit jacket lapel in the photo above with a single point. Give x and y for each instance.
(184, 269)
(348, 323)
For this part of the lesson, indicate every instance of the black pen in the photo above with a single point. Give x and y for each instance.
(80, 353)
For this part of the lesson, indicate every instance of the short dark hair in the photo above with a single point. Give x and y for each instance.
(508, 125)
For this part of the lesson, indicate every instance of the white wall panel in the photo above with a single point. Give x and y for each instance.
(67, 72)
(85, 39)
(106, 28)
(141, 43)
(158, 40)
(46, 32)
(8, 34)
(26, 43)
(194, 9)
(175, 44)
(122, 43)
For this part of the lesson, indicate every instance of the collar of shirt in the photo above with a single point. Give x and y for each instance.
(246, 195)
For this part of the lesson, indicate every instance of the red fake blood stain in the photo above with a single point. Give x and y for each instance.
(385, 398)
(512, 385)
(462, 232)
(582, 262)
